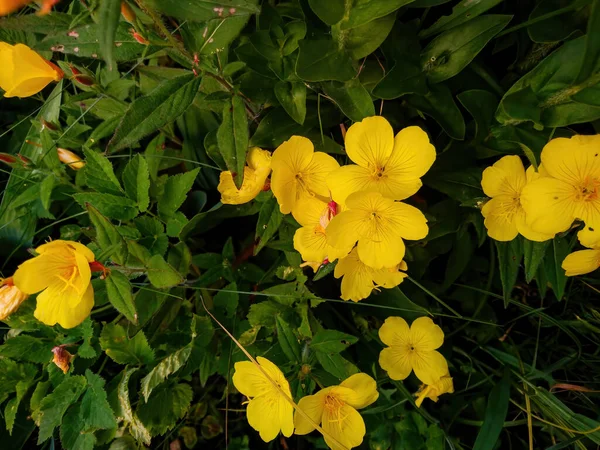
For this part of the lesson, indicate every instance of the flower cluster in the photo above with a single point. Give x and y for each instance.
(351, 213)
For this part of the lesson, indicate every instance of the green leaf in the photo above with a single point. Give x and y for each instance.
(292, 96)
(12, 406)
(481, 105)
(99, 174)
(107, 236)
(440, 105)
(165, 406)
(269, 220)
(108, 21)
(287, 340)
(509, 261)
(232, 137)
(264, 313)
(322, 60)
(363, 40)
(495, 414)
(119, 208)
(462, 12)
(364, 11)
(453, 50)
(123, 350)
(136, 180)
(95, 410)
(151, 112)
(119, 293)
(72, 436)
(161, 274)
(332, 341)
(352, 99)
(592, 45)
(560, 248)
(336, 365)
(211, 36)
(554, 28)
(163, 369)
(54, 406)
(533, 256)
(201, 10)
(226, 301)
(330, 12)
(175, 192)
(138, 430)
(27, 348)
(46, 187)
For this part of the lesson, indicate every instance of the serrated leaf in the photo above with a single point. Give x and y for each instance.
(331, 341)
(166, 367)
(12, 406)
(287, 340)
(27, 348)
(95, 410)
(119, 208)
(99, 173)
(165, 406)
(72, 436)
(108, 21)
(138, 430)
(107, 236)
(175, 192)
(232, 137)
(119, 293)
(161, 274)
(136, 180)
(123, 350)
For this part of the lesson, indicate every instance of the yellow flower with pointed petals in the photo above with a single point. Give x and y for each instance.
(335, 408)
(384, 164)
(572, 189)
(268, 410)
(379, 224)
(62, 271)
(11, 297)
(299, 173)
(503, 213)
(359, 280)
(411, 349)
(256, 173)
(433, 391)
(24, 72)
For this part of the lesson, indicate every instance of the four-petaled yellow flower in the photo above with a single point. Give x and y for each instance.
(503, 213)
(433, 391)
(299, 173)
(582, 262)
(335, 408)
(11, 297)
(388, 165)
(256, 173)
(359, 280)
(268, 412)
(379, 224)
(570, 191)
(411, 349)
(24, 72)
(62, 271)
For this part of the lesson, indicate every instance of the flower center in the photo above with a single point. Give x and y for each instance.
(378, 173)
(68, 279)
(334, 405)
(588, 190)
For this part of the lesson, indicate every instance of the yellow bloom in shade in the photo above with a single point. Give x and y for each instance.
(256, 173)
(268, 410)
(433, 391)
(335, 408)
(11, 297)
(503, 213)
(24, 72)
(411, 349)
(359, 280)
(378, 224)
(581, 262)
(384, 164)
(299, 173)
(62, 271)
(572, 189)
(69, 158)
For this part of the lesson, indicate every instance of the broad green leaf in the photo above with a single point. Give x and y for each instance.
(462, 12)
(232, 137)
(322, 60)
(151, 112)
(533, 256)
(175, 192)
(363, 40)
(509, 261)
(560, 247)
(481, 105)
(556, 27)
(264, 313)
(336, 365)
(136, 181)
(12, 406)
(72, 436)
(201, 10)
(49, 24)
(226, 301)
(453, 50)
(46, 187)
(364, 11)
(108, 21)
(99, 174)
(591, 57)
(119, 208)
(124, 350)
(352, 99)
(27, 348)
(495, 414)
(331, 341)
(269, 220)
(287, 340)
(107, 236)
(161, 274)
(292, 96)
(167, 404)
(205, 38)
(330, 12)
(163, 369)
(95, 410)
(138, 430)
(118, 289)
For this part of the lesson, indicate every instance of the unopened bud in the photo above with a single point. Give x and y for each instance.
(138, 37)
(82, 78)
(11, 297)
(8, 159)
(47, 7)
(49, 125)
(71, 159)
(62, 358)
(127, 12)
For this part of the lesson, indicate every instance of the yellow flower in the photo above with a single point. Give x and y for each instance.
(378, 224)
(268, 410)
(433, 391)
(581, 262)
(572, 189)
(299, 173)
(71, 159)
(62, 271)
(11, 297)
(10, 6)
(24, 72)
(411, 349)
(503, 213)
(335, 408)
(391, 166)
(256, 172)
(360, 280)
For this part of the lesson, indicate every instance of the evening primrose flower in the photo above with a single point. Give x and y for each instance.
(62, 272)
(299, 173)
(24, 72)
(384, 164)
(379, 225)
(359, 280)
(411, 349)
(256, 173)
(69, 158)
(433, 391)
(335, 408)
(11, 297)
(503, 213)
(268, 412)
(572, 189)
(581, 262)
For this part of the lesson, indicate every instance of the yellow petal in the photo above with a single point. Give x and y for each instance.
(573, 160)
(6, 62)
(443, 386)
(11, 298)
(251, 187)
(81, 279)
(53, 307)
(345, 425)
(36, 274)
(311, 243)
(384, 249)
(316, 173)
(589, 236)
(395, 361)
(581, 262)
(269, 414)
(259, 160)
(364, 390)
(500, 215)
(394, 331)
(31, 72)
(313, 406)
(356, 286)
(66, 247)
(425, 335)
(526, 231)
(406, 220)
(370, 143)
(389, 277)
(349, 179)
(429, 367)
(252, 382)
(505, 177)
(309, 211)
(9, 6)
(346, 228)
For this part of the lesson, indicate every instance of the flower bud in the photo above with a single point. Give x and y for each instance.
(62, 358)
(11, 297)
(8, 159)
(71, 159)
(138, 37)
(128, 13)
